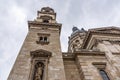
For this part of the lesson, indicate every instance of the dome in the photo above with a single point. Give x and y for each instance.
(76, 30)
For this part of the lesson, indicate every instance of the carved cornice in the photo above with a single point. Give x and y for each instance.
(43, 34)
(113, 40)
(92, 32)
(32, 24)
(82, 52)
(105, 28)
(89, 53)
(68, 56)
(46, 13)
(43, 24)
(42, 42)
(116, 53)
(99, 63)
(40, 53)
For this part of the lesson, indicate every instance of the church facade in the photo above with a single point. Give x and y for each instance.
(91, 55)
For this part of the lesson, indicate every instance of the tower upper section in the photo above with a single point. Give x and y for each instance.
(46, 15)
(46, 19)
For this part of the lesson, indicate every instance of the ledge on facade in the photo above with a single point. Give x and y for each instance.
(42, 42)
(41, 23)
(99, 63)
(98, 32)
(38, 24)
(82, 52)
(89, 53)
(68, 56)
(116, 53)
(91, 50)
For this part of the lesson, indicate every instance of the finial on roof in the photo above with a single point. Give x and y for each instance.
(82, 29)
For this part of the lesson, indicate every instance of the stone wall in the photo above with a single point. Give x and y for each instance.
(112, 55)
(88, 68)
(22, 67)
(71, 70)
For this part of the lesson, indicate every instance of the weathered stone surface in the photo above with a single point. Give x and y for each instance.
(88, 52)
(55, 68)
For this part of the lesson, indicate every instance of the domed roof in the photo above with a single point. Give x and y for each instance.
(76, 30)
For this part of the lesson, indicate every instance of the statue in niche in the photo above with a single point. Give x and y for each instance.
(39, 69)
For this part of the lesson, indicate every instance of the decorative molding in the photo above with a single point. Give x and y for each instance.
(90, 53)
(68, 56)
(42, 42)
(41, 56)
(82, 52)
(95, 31)
(116, 53)
(45, 17)
(99, 65)
(40, 53)
(32, 70)
(34, 24)
(43, 34)
(43, 24)
(111, 40)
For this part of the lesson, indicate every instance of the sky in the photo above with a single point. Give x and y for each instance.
(14, 15)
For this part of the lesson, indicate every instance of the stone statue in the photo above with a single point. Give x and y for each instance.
(39, 72)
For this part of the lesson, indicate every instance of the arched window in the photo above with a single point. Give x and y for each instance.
(104, 75)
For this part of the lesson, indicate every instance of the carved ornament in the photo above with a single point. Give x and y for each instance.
(40, 53)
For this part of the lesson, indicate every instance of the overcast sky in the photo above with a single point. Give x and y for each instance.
(14, 15)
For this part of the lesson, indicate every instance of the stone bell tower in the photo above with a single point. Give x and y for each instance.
(40, 57)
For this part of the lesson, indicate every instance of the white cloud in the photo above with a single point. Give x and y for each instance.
(19, 14)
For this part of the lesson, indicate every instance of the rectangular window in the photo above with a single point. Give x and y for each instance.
(43, 38)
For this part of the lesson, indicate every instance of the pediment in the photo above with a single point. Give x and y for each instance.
(106, 29)
(40, 53)
(103, 32)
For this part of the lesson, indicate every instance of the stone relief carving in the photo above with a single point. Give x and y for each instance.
(39, 70)
(39, 62)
